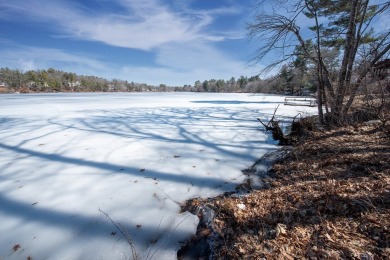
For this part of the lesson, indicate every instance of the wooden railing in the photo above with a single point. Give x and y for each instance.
(300, 101)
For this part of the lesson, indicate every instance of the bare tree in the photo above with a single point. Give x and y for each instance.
(344, 26)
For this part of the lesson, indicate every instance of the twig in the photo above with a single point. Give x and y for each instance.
(299, 114)
(125, 235)
(273, 116)
(155, 238)
(169, 234)
(267, 126)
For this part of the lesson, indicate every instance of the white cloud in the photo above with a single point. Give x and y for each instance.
(142, 25)
(26, 58)
(181, 64)
(180, 38)
(177, 65)
(195, 55)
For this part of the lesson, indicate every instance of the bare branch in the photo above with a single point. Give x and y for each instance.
(124, 233)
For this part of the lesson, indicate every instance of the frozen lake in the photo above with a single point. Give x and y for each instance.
(135, 156)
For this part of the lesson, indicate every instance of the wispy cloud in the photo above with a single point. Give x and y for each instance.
(181, 38)
(185, 65)
(29, 58)
(141, 25)
(173, 67)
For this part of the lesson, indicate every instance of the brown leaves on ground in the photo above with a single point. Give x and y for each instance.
(16, 247)
(329, 198)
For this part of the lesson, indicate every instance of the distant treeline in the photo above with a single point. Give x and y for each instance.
(52, 80)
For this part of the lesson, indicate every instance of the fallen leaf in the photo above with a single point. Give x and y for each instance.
(16, 247)
(281, 229)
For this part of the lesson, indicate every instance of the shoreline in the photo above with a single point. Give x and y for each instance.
(328, 198)
(198, 247)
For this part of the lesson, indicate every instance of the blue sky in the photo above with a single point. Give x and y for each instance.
(174, 42)
(148, 41)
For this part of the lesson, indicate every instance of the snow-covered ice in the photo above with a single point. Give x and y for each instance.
(136, 157)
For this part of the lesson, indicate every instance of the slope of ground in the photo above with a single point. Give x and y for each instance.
(328, 198)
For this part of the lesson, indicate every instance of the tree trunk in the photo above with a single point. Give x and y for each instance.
(343, 80)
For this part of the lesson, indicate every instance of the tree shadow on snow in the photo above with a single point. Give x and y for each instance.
(209, 182)
(94, 227)
(189, 125)
(203, 127)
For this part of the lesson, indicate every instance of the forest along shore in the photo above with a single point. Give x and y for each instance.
(329, 197)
